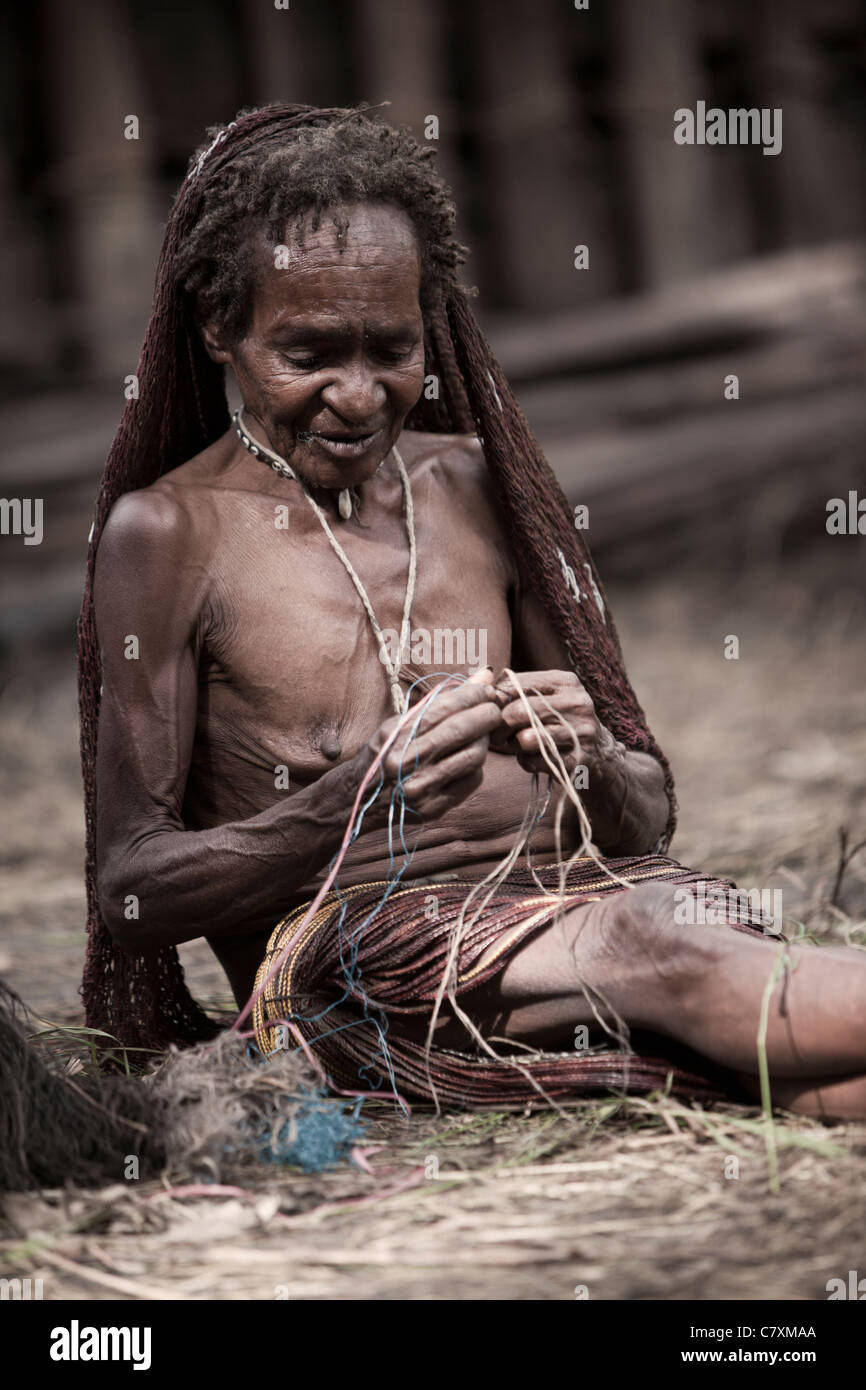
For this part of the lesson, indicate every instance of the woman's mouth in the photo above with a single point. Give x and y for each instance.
(341, 446)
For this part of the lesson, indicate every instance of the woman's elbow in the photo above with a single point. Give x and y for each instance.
(127, 907)
(120, 908)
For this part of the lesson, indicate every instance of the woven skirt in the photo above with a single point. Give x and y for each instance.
(374, 955)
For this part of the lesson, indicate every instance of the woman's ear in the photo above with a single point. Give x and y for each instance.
(215, 342)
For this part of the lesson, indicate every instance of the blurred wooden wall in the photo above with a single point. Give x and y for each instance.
(555, 128)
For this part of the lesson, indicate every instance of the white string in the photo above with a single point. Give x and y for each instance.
(448, 984)
(203, 157)
(398, 695)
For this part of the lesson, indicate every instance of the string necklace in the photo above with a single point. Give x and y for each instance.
(279, 465)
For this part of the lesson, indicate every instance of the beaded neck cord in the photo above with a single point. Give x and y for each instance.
(279, 465)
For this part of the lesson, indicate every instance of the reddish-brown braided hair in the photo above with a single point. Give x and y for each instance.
(181, 408)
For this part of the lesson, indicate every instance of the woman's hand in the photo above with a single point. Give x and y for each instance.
(566, 710)
(441, 763)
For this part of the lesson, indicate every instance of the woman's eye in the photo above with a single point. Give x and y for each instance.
(394, 354)
(304, 363)
(310, 362)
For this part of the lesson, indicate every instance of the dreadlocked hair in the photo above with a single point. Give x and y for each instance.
(316, 168)
(266, 162)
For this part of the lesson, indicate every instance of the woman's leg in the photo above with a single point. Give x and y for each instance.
(824, 1098)
(702, 985)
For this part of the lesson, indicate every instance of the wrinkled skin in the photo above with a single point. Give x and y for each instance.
(255, 663)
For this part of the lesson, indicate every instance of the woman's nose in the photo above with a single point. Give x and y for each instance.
(356, 394)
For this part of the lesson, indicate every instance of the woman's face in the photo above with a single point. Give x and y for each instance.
(332, 360)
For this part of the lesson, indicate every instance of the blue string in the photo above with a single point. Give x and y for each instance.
(349, 943)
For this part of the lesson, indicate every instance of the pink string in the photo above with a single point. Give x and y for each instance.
(414, 1178)
(205, 1190)
(414, 711)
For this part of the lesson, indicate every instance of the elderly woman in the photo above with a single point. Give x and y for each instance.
(485, 855)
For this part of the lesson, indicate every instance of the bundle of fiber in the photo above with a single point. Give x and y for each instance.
(57, 1129)
(225, 1107)
(208, 1113)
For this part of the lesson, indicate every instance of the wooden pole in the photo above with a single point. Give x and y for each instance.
(102, 180)
(673, 209)
(530, 151)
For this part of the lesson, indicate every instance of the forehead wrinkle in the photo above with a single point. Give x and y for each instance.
(359, 222)
(328, 323)
(327, 302)
(326, 282)
(306, 266)
(370, 248)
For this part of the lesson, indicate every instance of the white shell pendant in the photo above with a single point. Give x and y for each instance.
(345, 504)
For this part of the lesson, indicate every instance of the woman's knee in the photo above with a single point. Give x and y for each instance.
(628, 947)
(645, 925)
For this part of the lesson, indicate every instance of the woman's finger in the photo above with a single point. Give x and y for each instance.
(543, 682)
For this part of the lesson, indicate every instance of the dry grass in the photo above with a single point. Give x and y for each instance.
(630, 1200)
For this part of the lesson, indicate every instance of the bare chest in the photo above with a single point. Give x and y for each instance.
(290, 670)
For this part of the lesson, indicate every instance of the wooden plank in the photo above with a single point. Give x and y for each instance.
(636, 480)
(756, 299)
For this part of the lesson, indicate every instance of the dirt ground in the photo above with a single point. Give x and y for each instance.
(614, 1199)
